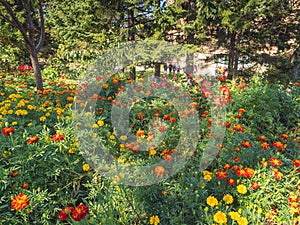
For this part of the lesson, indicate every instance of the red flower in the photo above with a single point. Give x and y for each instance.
(263, 163)
(275, 162)
(64, 214)
(80, 212)
(226, 166)
(255, 186)
(296, 162)
(57, 137)
(25, 185)
(19, 202)
(262, 138)
(246, 144)
(238, 128)
(241, 110)
(247, 172)
(167, 117)
(206, 93)
(162, 128)
(221, 174)
(173, 120)
(29, 68)
(278, 145)
(239, 116)
(231, 182)
(33, 139)
(7, 131)
(265, 145)
(227, 125)
(222, 78)
(14, 174)
(277, 175)
(22, 68)
(226, 92)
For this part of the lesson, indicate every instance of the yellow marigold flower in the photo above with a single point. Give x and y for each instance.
(220, 217)
(120, 160)
(42, 118)
(95, 125)
(242, 221)
(71, 151)
(123, 138)
(228, 199)
(154, 220)
(112, 137)
(207, 177)
(152, 152)
(10, 111)
(242, 189)
(212, 201)
(86, 167)
(29, 124)
(14, 123)
(234, 215)
(260, 210)
(206, 172)
(100, 123)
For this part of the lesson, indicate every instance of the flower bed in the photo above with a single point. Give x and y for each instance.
(254, 178)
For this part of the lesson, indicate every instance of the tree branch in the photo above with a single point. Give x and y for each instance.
(29, 20)
(16, 21)
(42, 35)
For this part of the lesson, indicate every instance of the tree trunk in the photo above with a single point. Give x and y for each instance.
(157, 69)
(190, 36)
(131, 37)
(36, 68)
(232, 58)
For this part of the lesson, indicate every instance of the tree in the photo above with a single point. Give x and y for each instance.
(28, 30)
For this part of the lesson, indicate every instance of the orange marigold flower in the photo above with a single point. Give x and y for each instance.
(33, 139)
(262, 138)
(278, 175)
(238, 128)
(241, 110)
(236, 159)
(7, 131)
(57, 137)
(265, 145)
(255, 186)
(80, 212)
(246, 144)
(296, 162)
(239, 116)
(249, 172)
(231, 182)
(25, 185)
(19, 202)
(284, 136)
(167, 117)
(221, 174)
(14, 174)
(226, 166)
(173, 120)
(275, 162)
(159, 171)
(263, 163)
(278, 145)
(140, 133)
